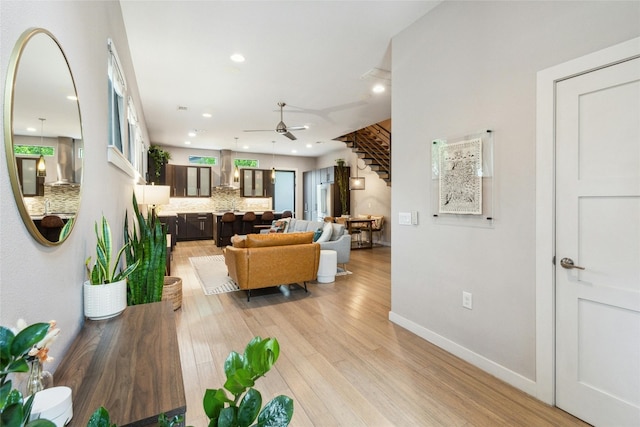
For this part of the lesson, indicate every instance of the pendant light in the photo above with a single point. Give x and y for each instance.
(41, 166)
(355, 182)
(273, 163)
(236, 171)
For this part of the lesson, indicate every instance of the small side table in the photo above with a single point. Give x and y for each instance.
(328, 266)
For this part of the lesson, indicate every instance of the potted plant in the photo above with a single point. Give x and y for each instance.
(242, 370)
(105, 293)
(17, 349)
(342, 181)
(160, 157)
(146, 245)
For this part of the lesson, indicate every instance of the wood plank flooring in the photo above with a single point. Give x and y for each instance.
(341, 360)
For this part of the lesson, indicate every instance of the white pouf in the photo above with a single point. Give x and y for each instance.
(328, 266)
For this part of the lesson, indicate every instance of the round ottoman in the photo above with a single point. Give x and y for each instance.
(328, 266)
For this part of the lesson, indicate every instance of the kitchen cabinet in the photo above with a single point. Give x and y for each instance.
(195, 226)
(31, 184)
(255, 183)
(170, 223)
(327, 175)
(188, 181)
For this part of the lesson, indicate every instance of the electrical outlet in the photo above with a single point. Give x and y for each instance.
(467, 300)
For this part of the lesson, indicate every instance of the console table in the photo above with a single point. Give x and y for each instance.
(130, 364)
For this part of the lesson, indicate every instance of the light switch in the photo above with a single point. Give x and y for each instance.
(404, 218)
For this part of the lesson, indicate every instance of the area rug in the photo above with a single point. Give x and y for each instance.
(211, 271)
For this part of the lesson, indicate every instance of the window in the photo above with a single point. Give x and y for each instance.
(34, 150)
(246, 163)
(126, 146)
(203, 160)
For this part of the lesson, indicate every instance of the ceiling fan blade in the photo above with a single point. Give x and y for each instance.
(258, 130)
(296, 128)
(290, 136)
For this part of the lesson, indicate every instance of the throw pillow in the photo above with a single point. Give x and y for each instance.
(279, 226)
(327, 229)
(317, 234)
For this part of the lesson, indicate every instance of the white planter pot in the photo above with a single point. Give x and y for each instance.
(104, 301)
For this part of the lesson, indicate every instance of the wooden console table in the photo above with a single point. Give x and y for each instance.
(129, 364)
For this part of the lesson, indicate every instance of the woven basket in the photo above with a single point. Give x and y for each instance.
(172, 291)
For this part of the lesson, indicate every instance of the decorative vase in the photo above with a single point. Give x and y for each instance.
(34, 383)
(104, 301)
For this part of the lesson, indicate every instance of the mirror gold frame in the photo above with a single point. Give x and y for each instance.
(37, 84)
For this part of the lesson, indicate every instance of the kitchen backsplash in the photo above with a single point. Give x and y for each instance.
(62, 199)
(222, 199)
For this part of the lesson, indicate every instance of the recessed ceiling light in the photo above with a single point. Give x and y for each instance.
(187, 143)
(237, 57)
(72, 98)
(294, 151)
(378, 89)
(245, 147)
(309, 145)
(207, 115)
(31, 129)
(192, 134)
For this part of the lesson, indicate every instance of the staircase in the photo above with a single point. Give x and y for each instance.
(372, 144)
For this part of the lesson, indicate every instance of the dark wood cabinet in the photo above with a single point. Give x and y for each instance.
(194, 226)
(256, 183)
(30, 183)
(188, 181)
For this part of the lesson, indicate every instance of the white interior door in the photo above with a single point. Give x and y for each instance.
(598, 228)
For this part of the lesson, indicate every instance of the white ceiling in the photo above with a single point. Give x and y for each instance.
(310, 54)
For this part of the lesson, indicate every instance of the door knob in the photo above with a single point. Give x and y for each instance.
(568, 264)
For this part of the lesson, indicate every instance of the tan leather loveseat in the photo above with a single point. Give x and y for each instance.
(265, 260)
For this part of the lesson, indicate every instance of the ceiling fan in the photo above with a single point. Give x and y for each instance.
(281, 128)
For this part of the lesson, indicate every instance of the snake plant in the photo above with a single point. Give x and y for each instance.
(147, 245)
(105, 269)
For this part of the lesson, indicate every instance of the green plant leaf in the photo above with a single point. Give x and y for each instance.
(233, 362)
(100, 418)
(227, 417)
(239, 381)
(249, 407)
(11, 415)
(213, 402)
(4, 394)
(277, 413)
(40, 423)
(27, 338)
(6, 337)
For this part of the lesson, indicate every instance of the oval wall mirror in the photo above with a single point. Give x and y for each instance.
(43, 136)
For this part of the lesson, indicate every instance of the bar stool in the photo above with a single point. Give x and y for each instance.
(227, 227)
(248, 219)
(287, 214)
(51, 227)
(265, 221)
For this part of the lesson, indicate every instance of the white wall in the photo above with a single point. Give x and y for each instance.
(464, 67)
(38, 283)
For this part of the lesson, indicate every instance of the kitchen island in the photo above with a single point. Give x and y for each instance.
(237, 225)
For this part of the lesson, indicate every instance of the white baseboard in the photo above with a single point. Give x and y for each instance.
(513, 378)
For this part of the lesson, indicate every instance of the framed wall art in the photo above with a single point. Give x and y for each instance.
(462, 179)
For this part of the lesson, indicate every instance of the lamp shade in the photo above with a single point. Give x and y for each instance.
(152, 194)
(356, 183)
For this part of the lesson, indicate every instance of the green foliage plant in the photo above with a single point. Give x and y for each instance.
(14, 349)
(242, 371)
(342, 180)
(160, 157)
(105, 269)
(147, 247)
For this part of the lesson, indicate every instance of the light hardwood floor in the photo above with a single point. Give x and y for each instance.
(341, 360)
